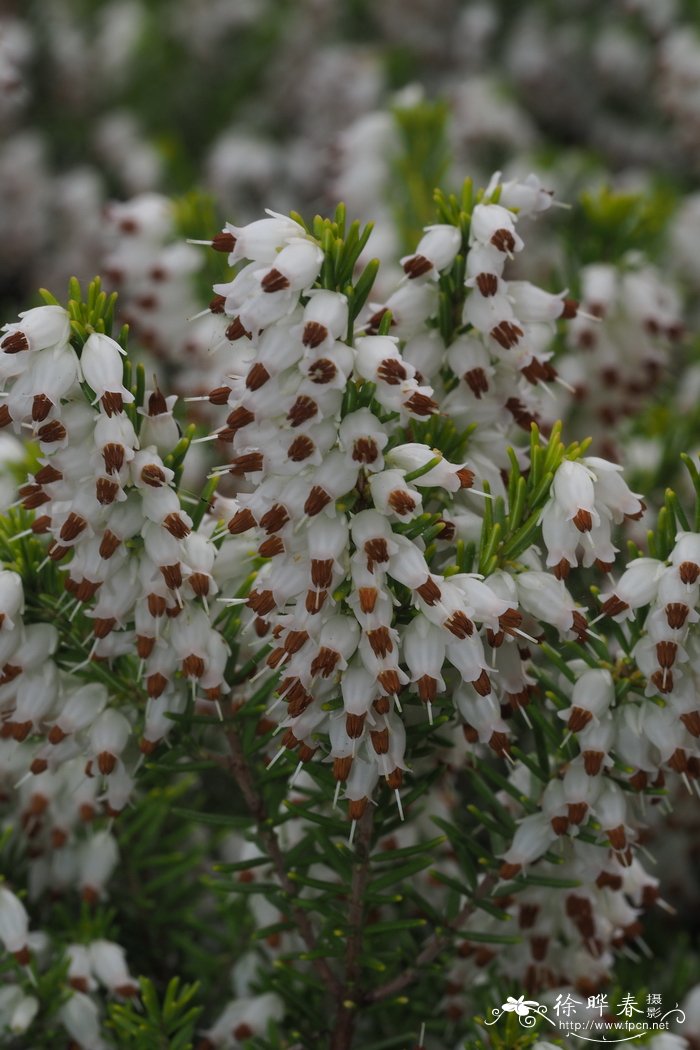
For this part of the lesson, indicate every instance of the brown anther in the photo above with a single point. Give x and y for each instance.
(482, 684)
(417, 266)
(617, 837)
(322, 371)
(676, 614)
(495, 638)
(41, 406)
(112, 402)
(394, 779)
(300, 449)
(560, 825)
(261, 627)
(389, 681)
(666, 653)
(294, 641)
(248, 463)
(172, 574)
(522, 416)
(41, 525)
(380, 740)
(157, 405)
(324, 663)
(239, 418)
(261, 602)
(216, 305)
(504, 241)
(219, 395)
(577, 812)
(427, 688)
(86, 590)
(72, 526)
(103, 625)
(506, 334)
(368, 598)
(459, 625)
(678, 761)
(156, 605)
(466, 477)
(663, 680)
(377, 552)
(583, 520)
(421, 405)
(392, 371)
(106, 762)
(33, 496)
(381, 705)
(487, 283)
(691, 721)
(176, 526)
(153, 476)
(688, 571)
(317, 499)
(314, 334)
(56, 551)
(365, 450)
(241, 521)
(193, 666)
(200, 582)
(51, 432)
(354, 726)
(257, 376)
(223, 242)
(108, 544)
(14, 343)
(236, 331)
(608, 879)
(510, 620)
(322, 572)
(561, 569)
(113, 456)
(38, 766)
(639, 780)
(303, 408)
(342, 767)
(5, 417)
(144, 646)
(509, 871)
(274, 281)
(401, 502)
(155, 684)
(613, 606)
(527, 915)
(578, 719)
(477, 382)
(380, 641)
(592, 762)
(106, 491)
(47, 474)
(569, 309)
(271, 547)
(356, 808)
(579, 626)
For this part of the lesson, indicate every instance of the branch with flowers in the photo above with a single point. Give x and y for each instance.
(336, 653)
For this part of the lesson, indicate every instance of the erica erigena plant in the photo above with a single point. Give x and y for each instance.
(381, 595)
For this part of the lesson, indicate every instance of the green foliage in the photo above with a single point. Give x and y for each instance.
(166, 1024)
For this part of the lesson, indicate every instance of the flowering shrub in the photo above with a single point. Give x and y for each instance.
(332, 709)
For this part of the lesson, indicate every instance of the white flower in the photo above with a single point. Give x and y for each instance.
(14, 925)
(435, 251)
(102, 369)
(40, 328)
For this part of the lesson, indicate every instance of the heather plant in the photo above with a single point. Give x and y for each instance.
(345, 689)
